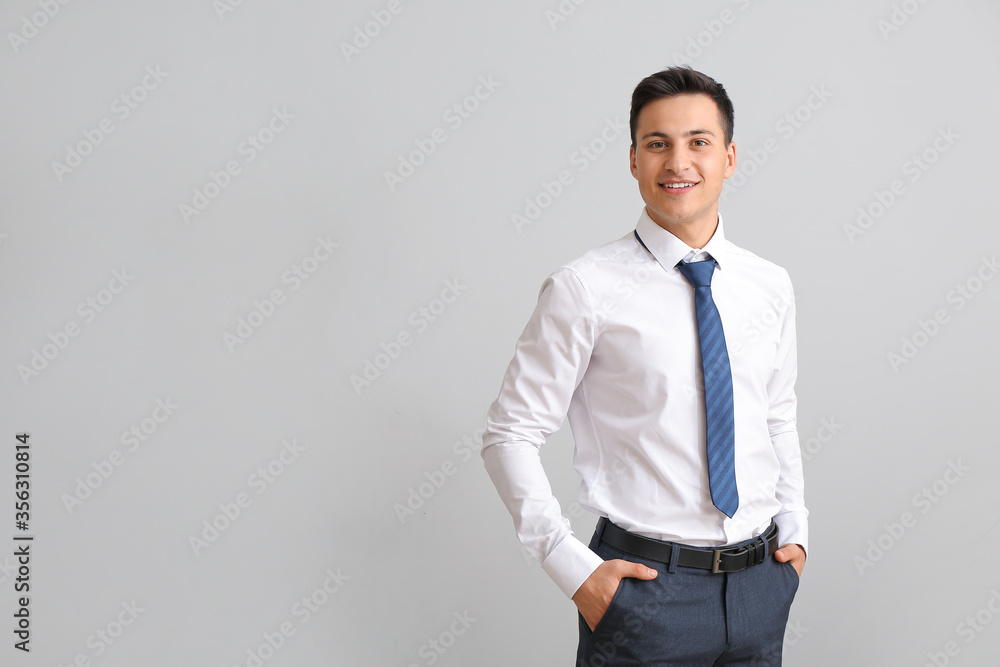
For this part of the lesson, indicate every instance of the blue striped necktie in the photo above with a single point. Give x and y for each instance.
(718, 377)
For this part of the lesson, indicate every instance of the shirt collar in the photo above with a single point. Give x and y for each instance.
(669, 250)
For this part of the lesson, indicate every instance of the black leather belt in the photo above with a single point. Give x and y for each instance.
(731, 559)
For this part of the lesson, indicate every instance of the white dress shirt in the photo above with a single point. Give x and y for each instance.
(613, 345)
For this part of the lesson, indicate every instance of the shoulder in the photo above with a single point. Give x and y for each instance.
(757, 266)
(585, 278)
(601, 259)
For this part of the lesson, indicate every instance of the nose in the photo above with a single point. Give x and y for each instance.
(677, 161)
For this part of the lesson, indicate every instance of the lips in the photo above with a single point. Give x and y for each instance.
(677, 187)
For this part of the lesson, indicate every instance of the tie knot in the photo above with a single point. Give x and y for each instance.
(699, 274)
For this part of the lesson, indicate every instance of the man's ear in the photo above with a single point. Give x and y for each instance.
(631, 160)
(730, 160)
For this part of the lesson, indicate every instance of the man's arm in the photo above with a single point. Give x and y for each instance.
(549, 361)
(781, 422)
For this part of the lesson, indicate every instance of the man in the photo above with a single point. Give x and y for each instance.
(672, 351)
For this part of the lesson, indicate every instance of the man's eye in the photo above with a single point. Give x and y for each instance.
(700, 142)
(657, 144)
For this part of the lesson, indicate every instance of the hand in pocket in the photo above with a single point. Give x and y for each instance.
(594, 597)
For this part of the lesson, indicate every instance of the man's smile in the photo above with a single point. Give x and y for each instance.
(677, 187)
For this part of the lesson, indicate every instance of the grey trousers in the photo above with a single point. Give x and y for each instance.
(691, 617)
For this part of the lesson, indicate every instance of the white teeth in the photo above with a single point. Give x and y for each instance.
(677, 186)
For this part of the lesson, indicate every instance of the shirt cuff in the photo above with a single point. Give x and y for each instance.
(793, 529)
(570, 563)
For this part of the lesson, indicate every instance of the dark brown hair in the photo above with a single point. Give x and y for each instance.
(682, 81)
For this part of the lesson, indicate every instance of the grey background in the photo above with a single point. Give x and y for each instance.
(896, 428)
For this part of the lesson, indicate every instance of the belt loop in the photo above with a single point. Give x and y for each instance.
(603, 521)
(767, 547)
(675, 554)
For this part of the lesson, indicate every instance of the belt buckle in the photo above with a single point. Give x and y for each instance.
(717, 560)
(732, 551)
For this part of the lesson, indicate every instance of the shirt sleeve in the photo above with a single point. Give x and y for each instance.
(550, 359)
(791, 518)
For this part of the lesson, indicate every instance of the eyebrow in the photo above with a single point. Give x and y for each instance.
(689, 133)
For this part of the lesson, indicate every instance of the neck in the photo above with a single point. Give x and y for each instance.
(696, 233)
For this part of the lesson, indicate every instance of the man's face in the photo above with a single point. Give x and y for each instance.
(680, 160)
